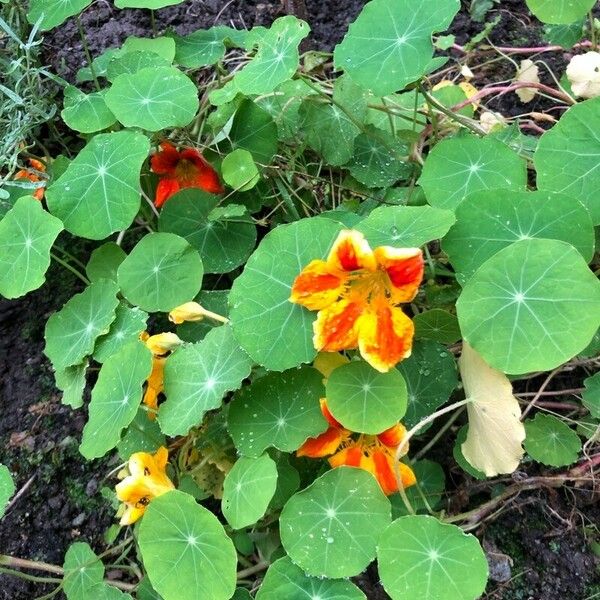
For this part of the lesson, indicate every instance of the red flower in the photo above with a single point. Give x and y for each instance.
(182, 169)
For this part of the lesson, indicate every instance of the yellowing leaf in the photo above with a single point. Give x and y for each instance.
(528, 72)
(493, 443)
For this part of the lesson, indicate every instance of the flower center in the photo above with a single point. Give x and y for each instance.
(185, 170)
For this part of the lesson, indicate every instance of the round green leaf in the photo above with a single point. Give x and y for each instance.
(431, 376)
(7, 488)
(420, 557)
(202, 47)
(437, 325)
(83, 571)
(134, 61)
(377, 159)
(161, 272)
(104, 262)
(142, 435)
(462, 165)
(488, 221)
(239, 170)
(153, 98)
(27, 233)
(248, 489)
(86, 113)
(331, 128)
(274, 332)
(126, 328)
(591, 395)
(566, 159)
(222, 244)
(331, 528)
(389, 45)
(286, 580)
(531, 307)
(99, 193)
(550, 441)
(71, 381)
(186, 551)
(254, 130)
(560, 12)
(72, 331)
(459, 457)
(276, 59)
(116, 398)
(405, 226)
(198, 376)
(163, 46)
(53, 12)
(426, 493)
(365, 400)
(279, 410)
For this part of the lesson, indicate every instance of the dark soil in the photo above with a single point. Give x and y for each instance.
(39, 439)
(539, 548)
(107, 26)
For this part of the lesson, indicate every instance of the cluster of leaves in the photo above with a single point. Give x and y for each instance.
(305, 156)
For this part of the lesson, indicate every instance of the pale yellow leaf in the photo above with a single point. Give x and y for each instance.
(528, 72)
(493, 443)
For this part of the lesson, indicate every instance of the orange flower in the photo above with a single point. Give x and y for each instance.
(373, 453)
(32, 174)
(357, 292)
(146, 480)
(179, 170)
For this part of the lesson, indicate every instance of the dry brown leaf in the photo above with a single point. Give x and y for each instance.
(493, 443)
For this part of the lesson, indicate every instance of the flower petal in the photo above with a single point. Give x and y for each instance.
(393, 436)
(351, 252)
(317, 286)
(404, 267)
(131, 515)
(352, 456)
(336, 327)
(205, 177)
(330, 418)
(165, 160)
(383, 464)
(385, 336)
(323, 445)
(164, 190)
(190, 311)
(162, 343)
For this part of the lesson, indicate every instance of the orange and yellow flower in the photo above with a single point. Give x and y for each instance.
(373, 453)
(182, 169)
(146, 480)
(33, 174)
(160, 345)
(356, 292)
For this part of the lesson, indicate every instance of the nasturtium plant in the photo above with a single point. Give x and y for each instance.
(310, 296)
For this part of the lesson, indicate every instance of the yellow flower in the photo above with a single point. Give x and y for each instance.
(192, 311)
(160, 345)
(147, 479)
(356, 292)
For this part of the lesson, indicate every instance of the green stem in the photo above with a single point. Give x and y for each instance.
(70, 256)
(27, 577)
(438, 435)
(86, 50)
(69, 267)
(153, 23)
(593, 35)
(287, 200)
